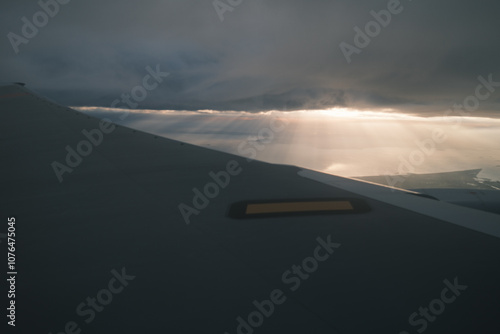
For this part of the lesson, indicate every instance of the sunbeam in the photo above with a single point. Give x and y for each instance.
(341, 141)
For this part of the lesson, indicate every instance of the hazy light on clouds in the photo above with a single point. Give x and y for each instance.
(339, 141)
(265, 55)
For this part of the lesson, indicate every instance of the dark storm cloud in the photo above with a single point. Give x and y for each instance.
(281, 54)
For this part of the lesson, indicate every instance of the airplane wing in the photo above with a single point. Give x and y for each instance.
(106, 229)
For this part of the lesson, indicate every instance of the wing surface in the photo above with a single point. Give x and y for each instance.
(268, 248)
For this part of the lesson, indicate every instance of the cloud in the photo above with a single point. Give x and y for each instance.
(264, 55)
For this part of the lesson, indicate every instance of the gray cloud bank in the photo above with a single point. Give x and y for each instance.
(274, 54)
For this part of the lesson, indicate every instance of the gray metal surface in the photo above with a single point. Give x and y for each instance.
(118, 212)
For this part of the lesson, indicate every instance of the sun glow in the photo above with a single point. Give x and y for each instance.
(342, 141)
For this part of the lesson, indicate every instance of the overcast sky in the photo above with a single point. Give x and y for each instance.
(274, 54)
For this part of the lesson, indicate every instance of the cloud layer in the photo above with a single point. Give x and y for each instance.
(264, 55)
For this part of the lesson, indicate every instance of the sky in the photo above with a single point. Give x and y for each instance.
(421, 59)
(363, 84)
(340, 141)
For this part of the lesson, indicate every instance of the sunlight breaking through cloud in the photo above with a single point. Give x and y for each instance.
(340, 141)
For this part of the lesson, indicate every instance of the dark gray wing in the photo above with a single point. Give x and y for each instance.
(268, 248)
